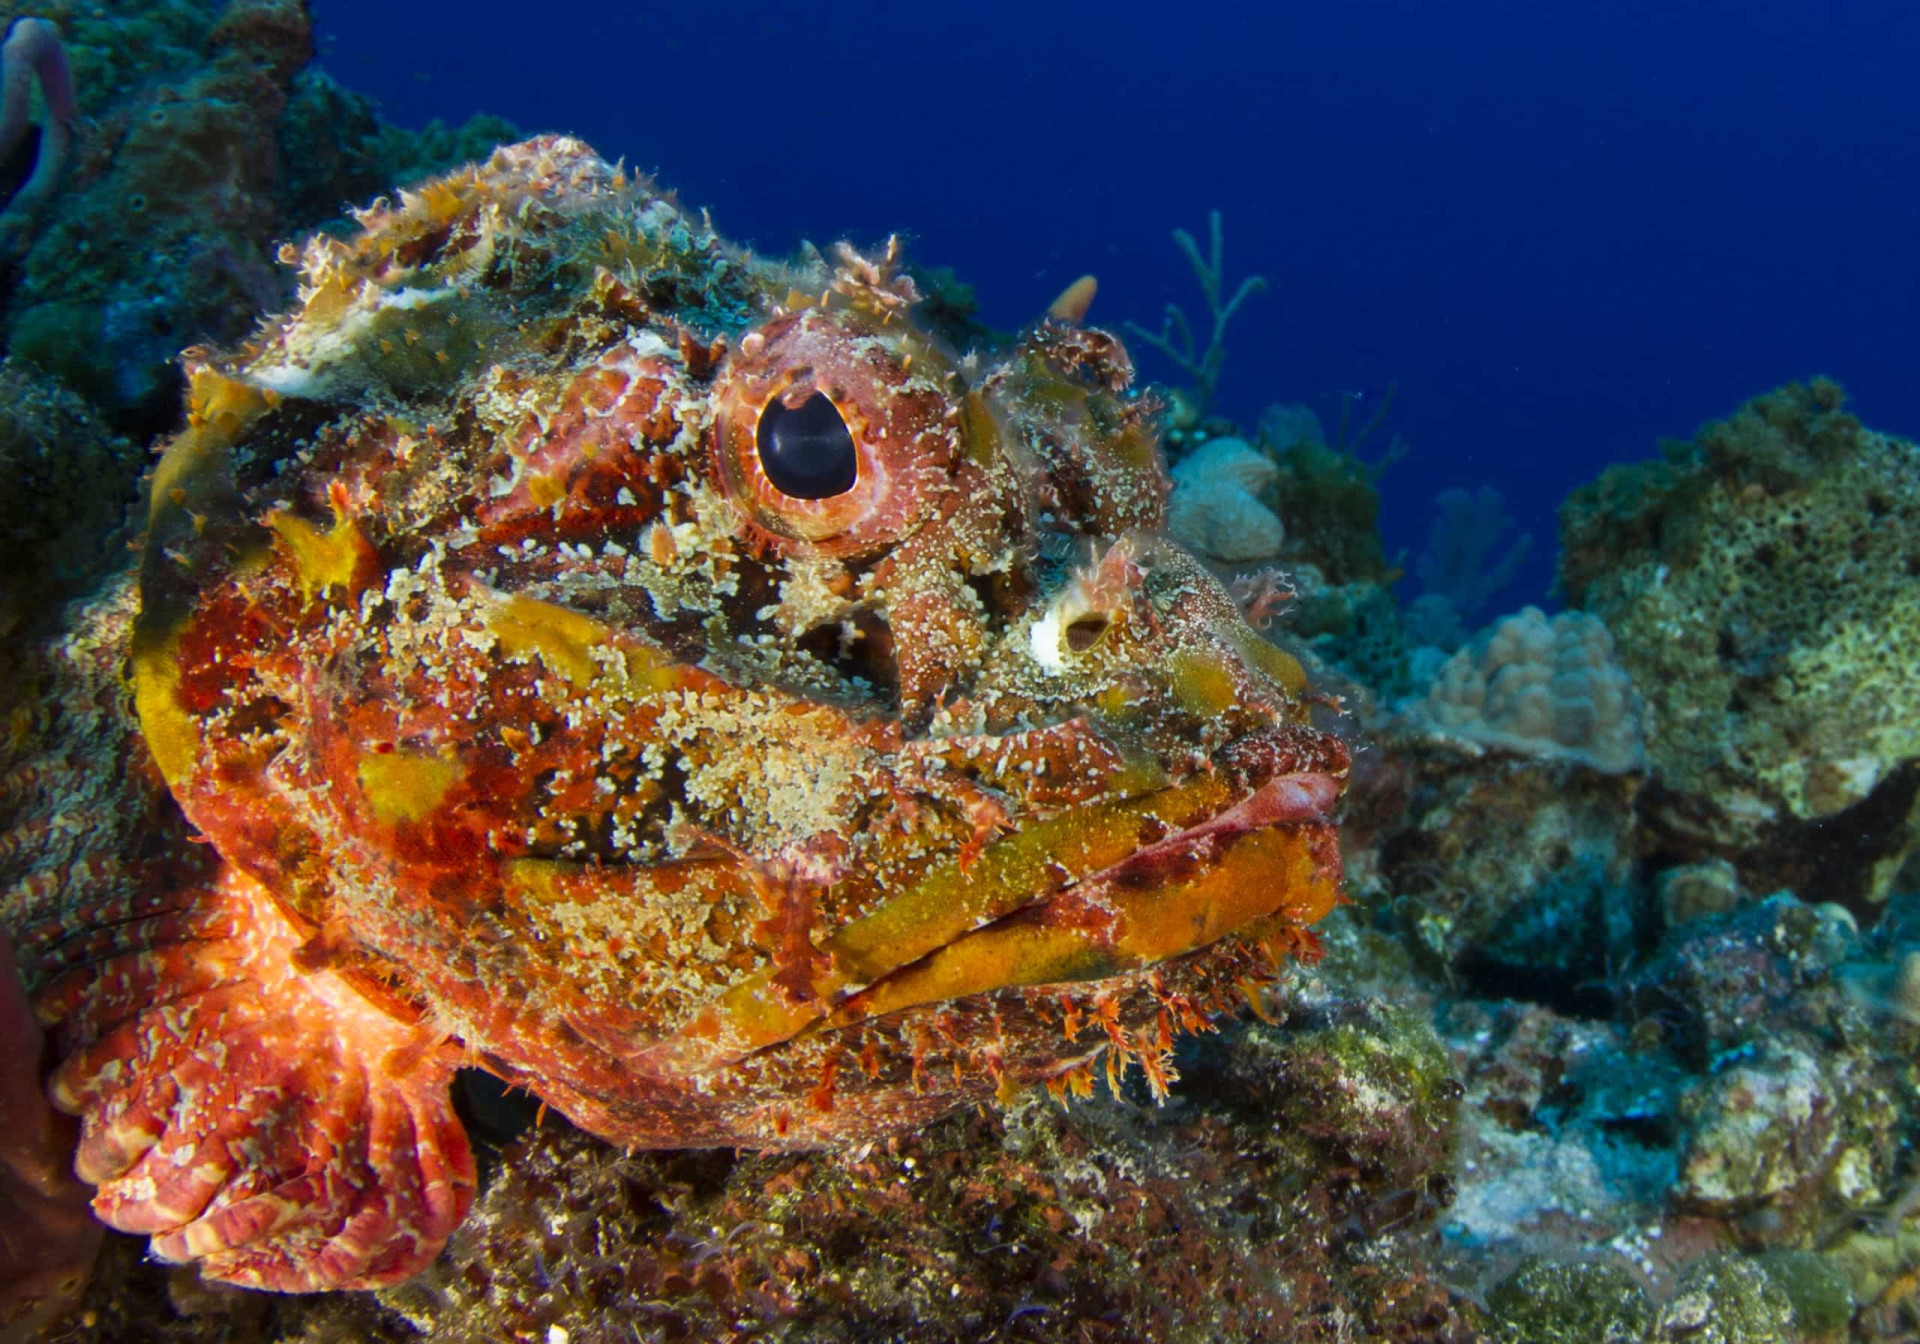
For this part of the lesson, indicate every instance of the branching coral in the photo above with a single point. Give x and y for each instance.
(1175, 338)
(1456, 579)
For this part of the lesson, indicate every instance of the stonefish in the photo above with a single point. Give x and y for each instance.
(673, 682)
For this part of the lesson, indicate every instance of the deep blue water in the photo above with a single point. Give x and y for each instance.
(1564, 230)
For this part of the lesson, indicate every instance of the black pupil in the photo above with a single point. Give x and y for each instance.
(807, 450)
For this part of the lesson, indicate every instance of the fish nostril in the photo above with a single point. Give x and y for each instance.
(860, 650)
(1086, 631)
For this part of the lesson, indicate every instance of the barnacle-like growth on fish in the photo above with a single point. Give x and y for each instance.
(693, 696)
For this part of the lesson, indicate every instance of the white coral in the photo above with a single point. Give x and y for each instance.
(1216, 508)
(1542, 688)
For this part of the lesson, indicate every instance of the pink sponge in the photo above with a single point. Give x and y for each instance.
(32, 51)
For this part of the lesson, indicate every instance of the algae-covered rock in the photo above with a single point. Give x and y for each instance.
(1760, 583)
(1573, 1302)
(1098, 1222)
(1370, 1094)
(1724, 1299)
(1721, 1299)
(1793, 1117)
(69, 489)
(1519, 866)
(1785, 1124)
(1876, 1260)
(1728, 981)
(1821, 1295)
(1565, 1132)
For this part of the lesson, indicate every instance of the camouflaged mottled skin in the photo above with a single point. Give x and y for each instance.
(523, 723)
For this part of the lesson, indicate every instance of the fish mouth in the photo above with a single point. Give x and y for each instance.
(1084, 895)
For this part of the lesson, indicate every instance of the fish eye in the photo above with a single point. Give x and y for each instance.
(834, 437)
(807, 451)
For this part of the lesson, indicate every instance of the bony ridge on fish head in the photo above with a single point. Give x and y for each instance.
(733, 718)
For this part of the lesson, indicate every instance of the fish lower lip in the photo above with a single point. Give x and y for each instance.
(1306, 795)
(1159, 875)
(1165, 899)
(1300, 797)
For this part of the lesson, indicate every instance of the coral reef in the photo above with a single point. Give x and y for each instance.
(1606, 1046)
(1687, 1104)
(1759, 584)
(202, 143)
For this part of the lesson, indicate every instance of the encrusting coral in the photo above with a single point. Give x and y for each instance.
(1620, 1093)
(1762, 583)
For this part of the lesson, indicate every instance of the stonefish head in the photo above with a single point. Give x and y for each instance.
(676, 684)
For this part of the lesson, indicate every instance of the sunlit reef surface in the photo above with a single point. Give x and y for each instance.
(1614, 1039)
